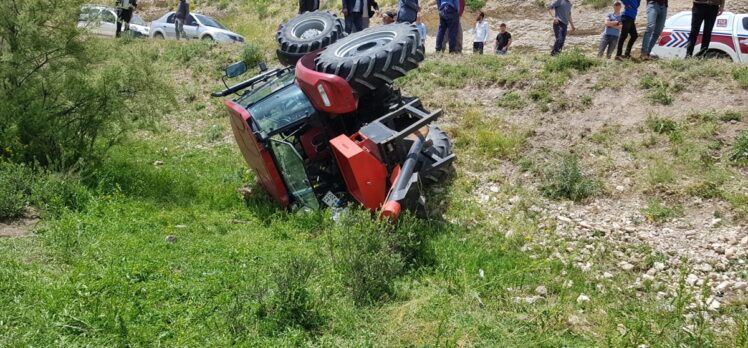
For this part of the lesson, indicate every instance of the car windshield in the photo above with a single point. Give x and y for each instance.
(207, 21)
(137, 20)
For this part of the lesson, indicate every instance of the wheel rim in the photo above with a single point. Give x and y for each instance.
(361, 44)
(309, 29)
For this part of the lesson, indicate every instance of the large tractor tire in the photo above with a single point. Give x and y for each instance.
(441, 146)
(306, 33)
(373, 57)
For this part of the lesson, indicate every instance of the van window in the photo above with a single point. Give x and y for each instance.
(745, 23)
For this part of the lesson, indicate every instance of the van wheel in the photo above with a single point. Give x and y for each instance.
(715, 54)
(158, 36)
(208, 38)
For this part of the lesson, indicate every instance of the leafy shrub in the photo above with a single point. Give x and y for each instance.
(740, 148)
(54, 193)
(15, 186)
(289, 303)
(705, 189)
(656, 211)
(475, 5)
(65, 96)
(741, 75)
(511, 100)
(571, 60)
(567, 181)
(369, 260)
(252, 55)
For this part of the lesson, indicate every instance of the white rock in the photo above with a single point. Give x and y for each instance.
(713, 304)
(723, 285)
(744, 241)
(659, 266)
(158, 163)
(514, 200)
(626, 266)
(730, 252)
(563, 219)
(691, 279)
(494, 189)
(740, 285)
(607, 275)
(528, 300)
(541, 290)
(620, 188)
(705, 267)
(569, 283)
(583, 298)
(481, 273)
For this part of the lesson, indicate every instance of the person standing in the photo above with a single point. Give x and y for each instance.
(628, 28)
(125, 9)
(703, 11)
(656, 16)
(459, 28)
(481, 33)
(612, 31)
(308, 6)
(353, 13)
(560, 10)
(183, 11)
(371, 7)
(421, 29)
(503, 41)
(408, 11)
(449, 19)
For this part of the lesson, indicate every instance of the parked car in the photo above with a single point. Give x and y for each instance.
(729, 37)
(197, 26)
(102, 21)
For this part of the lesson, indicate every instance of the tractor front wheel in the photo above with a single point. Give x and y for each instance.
(306, 33)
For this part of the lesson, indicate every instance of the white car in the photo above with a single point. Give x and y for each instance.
(729, 37)
(197, 26)
(102, 21)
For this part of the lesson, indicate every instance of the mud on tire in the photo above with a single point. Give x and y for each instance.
(306, 33)
(374, 57)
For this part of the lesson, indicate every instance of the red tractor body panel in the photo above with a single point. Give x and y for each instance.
(328, 93)
(364, 175)
(257, 157)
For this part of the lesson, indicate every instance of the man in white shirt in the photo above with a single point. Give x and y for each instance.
(481, 33)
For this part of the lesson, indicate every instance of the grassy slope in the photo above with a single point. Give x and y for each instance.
(105, 275)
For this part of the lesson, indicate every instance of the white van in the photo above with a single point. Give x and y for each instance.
(729, 37)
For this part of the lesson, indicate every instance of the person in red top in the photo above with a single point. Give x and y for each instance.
(459, 29)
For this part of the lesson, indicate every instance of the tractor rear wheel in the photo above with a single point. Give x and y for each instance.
(373, 57)
(306, 33)
(441, 146)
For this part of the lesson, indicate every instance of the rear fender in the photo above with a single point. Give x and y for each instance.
(328, 93)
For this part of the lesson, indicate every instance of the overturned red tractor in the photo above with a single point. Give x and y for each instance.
(330, 128)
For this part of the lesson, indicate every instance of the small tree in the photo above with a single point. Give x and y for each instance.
(63, 96)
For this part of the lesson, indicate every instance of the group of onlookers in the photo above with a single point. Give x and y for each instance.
(619, 25)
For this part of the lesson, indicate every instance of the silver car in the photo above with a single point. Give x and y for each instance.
(102, 21)
(197, 26)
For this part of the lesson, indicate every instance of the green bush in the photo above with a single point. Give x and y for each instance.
(740, 148)
(661, 125)
(65, 96)
(252, 55)
(741, 75)
(369, 260)
(15, 187)
(290, 304)
(567, 181)
(475, 5)
(571, 60)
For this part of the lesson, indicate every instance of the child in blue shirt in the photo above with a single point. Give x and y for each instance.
(612, 31)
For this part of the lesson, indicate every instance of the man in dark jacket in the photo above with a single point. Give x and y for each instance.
(353, 12)
(408, 11)
(125, 8)
(308, 6)
(449, 19)
(371, 8)
(704, 11)
(183, 10)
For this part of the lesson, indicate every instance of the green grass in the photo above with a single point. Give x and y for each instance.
(566, 180)
(741, 76)
(657, 211)
(739, 151)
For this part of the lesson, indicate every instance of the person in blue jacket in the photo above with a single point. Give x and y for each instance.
(353, 11)
(408, 11)
(449, 18)
(628, 28)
